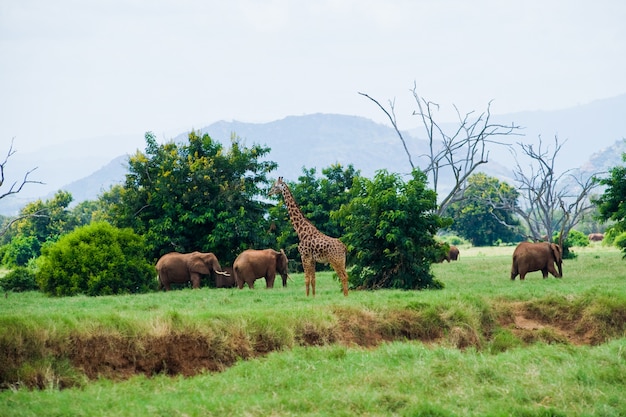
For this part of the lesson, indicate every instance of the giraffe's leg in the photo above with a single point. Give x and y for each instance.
(340, 268)
(308, 264)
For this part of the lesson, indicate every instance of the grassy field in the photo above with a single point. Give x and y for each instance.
(483, 346)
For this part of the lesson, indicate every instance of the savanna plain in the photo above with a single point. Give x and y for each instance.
(482, 346)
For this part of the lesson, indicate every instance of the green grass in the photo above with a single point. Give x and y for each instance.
(372, 353)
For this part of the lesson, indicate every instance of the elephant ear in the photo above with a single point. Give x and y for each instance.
(556, 251)
(196, 264)
(281, 258)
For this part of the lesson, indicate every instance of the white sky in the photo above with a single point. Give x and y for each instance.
(79, 69)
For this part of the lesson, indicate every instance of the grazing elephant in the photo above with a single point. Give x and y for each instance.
(253, 264)
(596, 237)
(225, 281)
(180, 268)
(540, 256)
(453, 254)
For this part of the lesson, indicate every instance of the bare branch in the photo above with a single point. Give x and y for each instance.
(392, 119)
(7, 226)
(458, 153)
(546, 194)
(17, 186)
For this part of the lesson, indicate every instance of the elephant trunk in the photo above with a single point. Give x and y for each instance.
(560, 268)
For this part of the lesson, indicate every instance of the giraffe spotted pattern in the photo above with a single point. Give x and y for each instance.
(314, 246)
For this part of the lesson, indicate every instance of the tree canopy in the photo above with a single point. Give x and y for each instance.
(390, 228)
(477, 216)
(195, 196)
(611, 204)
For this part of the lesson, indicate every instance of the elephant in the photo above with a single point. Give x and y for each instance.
(253, 264)
(539, 256)
(596, 237)
(446, 252)
(180, 268)
(453, 254)
(225, 281)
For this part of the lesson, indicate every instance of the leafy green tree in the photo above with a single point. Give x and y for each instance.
(317, 197)
(477, 216)
(611, 204)
(21, 250)
(38, 222)
(390, 227)
(195, 196)
(97, 259)
(47, 220)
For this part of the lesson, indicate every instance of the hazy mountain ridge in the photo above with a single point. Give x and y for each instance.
(592, 137)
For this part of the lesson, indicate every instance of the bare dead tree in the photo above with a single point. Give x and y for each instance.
(460, 152)
(550, 201)
(15, 187)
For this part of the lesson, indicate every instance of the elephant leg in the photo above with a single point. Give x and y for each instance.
(195, 280)
(269, 281)
(544, 272)
(308, 264)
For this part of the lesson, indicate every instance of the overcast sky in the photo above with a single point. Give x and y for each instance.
(79, 69)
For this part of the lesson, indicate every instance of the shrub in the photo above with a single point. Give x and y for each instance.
(620, 242)
(576, 238)
(20, 250)
(390, 228)
(97, 259)
(19, 279)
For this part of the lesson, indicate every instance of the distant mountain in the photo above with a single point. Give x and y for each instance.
(90, 187)
(320, 140)
(591, 136)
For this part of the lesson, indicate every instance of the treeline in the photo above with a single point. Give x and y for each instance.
(201, 196)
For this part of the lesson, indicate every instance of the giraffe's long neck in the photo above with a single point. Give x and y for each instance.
(301, 224)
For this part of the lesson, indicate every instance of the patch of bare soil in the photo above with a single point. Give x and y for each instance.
(530, 329)
(115, 356)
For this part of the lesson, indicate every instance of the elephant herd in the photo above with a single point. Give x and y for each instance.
(250, 265)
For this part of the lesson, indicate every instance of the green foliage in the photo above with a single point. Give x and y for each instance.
(575, 238)
(611, 204)
(620, 242)
(194, 196)
(390, 227)
(453, 239)
(47, 220)
(20, 250)
(19, 279)
(317, 198)
(96, 259)
(40, 222)
(475, 217)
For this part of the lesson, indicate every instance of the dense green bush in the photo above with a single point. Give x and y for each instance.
(19, 279)
(97, 259)
(576, 238)
(20, 250)
(390, 228)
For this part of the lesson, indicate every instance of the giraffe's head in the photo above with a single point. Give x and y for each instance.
(278, 186)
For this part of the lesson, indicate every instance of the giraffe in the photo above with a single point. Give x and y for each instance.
(314, 245)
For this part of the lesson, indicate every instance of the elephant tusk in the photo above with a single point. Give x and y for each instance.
(226, 274)
(289, 278)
